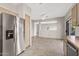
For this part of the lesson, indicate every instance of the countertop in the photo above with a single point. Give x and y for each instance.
(73, 40)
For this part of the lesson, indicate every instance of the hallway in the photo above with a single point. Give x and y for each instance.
(45, 47)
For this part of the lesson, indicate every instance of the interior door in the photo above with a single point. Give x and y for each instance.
(27, 30)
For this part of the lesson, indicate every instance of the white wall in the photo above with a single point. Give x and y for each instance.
(35, 29)
(59, 33)
(77, 31)
(9, 6)
(23, 10)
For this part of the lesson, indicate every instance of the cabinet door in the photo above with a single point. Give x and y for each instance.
(74, 15)
(78, 14)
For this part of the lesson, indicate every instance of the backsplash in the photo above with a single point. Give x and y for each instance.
(77, 31)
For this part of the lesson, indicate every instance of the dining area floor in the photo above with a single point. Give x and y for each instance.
(44, 47)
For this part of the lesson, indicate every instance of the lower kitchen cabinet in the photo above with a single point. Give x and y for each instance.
(71, 50)
(71, 46)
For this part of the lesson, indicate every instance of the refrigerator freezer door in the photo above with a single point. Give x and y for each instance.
(20, 36)
(8, 44)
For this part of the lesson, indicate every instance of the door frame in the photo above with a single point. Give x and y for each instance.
(29, 30)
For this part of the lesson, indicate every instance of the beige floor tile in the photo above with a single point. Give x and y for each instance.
(45, 47)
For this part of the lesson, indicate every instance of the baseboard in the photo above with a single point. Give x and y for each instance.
(20, 53)
(50, 38)
(23, 50)
(27, 47)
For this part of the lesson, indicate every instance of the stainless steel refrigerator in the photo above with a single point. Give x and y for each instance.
(11, 35)
(7, 35)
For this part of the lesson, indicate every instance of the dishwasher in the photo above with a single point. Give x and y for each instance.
(71, 50)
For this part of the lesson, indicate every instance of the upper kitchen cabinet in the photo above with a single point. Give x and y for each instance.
(77, 14)
(74, 15)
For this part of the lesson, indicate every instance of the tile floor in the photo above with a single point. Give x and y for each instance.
(44, 47)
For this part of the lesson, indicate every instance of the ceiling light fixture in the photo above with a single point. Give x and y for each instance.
(50, 22)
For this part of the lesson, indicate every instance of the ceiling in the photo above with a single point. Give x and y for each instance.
(48, 10)
(45, 10)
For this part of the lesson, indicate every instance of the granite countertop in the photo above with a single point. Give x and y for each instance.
(73, 40)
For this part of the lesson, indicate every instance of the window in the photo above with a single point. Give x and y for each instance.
(52, 28)
(49, 22)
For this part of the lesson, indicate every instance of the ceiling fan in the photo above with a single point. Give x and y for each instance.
(43, 16)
